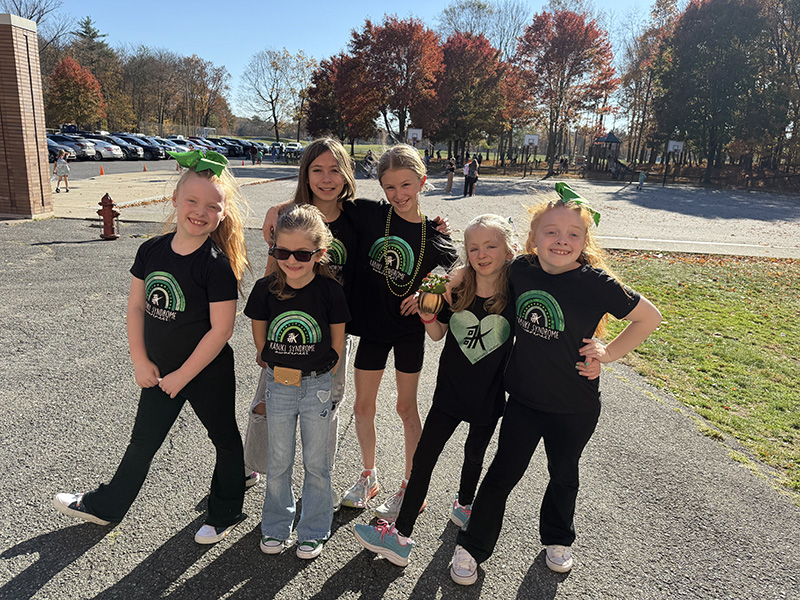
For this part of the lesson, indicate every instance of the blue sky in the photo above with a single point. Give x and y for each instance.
(229, 34)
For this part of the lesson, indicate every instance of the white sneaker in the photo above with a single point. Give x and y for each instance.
(362, 491)
(309, 549)
(559, 558)
(72, 505)
(208, 534)
(270, 545)
(251, 479)
(389, 510)
(464, 570)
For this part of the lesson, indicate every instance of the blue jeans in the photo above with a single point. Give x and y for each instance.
(310, 403)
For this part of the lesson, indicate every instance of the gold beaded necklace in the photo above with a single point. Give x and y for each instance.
(403, 288)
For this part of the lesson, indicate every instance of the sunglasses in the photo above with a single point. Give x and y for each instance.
(299, 255)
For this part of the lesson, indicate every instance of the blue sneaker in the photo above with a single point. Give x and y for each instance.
(460, 514)
(383, 541)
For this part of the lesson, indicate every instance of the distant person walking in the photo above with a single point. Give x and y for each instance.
(253, 153)
(450, 169)
(61, 168)
(642, 177)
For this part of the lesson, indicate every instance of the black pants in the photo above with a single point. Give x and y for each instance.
(439, 427)
(156, 414)
(565, 436)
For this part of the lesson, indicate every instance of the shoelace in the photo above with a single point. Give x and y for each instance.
(463, 561)
(465, 510)
(559, 552)
(384, 528)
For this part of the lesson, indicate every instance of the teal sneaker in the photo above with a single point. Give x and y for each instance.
(460, 514)
(383, 541)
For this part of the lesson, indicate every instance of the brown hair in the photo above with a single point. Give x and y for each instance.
(466, 290)
(308, 220)
(229, 235)
(313, 151)
(592, 254)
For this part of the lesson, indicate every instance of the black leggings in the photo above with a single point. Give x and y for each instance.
(565, 436)
(156, 414)
(439, 427)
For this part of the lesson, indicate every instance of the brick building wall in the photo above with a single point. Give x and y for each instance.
(25, 189)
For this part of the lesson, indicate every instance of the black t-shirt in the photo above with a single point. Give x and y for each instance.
(375, 302)
(469, 385)
(299, 328)
(553, 315)
(342, 251)
(178, 290)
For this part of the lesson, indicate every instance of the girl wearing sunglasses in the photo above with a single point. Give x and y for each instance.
(299, 314)
(325, 180)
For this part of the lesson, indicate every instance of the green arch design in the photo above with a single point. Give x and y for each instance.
(395, 247)
(545, 304)
(166, 284)
(295, 321)
(337, 253)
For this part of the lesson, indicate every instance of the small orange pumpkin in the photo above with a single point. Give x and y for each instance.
(430, 303)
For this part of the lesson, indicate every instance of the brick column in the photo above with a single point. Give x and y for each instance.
(25, 189)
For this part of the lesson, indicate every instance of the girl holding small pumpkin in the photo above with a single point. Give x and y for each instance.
(397, 246)
(469, 385)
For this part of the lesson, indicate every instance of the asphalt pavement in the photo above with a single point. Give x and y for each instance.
(664, 511)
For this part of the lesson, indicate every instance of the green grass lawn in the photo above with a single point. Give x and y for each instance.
(727, 347)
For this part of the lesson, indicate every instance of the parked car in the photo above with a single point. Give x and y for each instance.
(54, 148)
(132, 151)
(172, 145)
(104, 149)
(279, 145)
(294, 149)
(83, 148)
(151, 151)
(210, 145)
(233, 148)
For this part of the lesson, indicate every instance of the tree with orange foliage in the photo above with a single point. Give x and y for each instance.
(566, 59)
(74, 95)
(470, 90)
(402, 63)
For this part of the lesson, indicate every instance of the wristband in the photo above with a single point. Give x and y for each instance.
(427, 322)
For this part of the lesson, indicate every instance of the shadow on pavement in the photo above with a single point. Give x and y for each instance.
(56, 551)
(540, 582)
(436, 575)
(159, 571)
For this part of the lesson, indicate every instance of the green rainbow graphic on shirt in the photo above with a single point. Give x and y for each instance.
(162, 291)
(541, 309)
(337, 253)
(294, 327)
(398, 253)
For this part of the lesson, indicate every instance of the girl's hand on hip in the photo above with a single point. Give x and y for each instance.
(589, 369)
(593, 349)
(260, 361)
(409, 306)
(146, 374)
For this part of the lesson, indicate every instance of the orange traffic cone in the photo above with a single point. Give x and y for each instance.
(242, 163)
(144, 168)
(101, 171)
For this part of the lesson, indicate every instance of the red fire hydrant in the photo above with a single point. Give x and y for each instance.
(109, 213)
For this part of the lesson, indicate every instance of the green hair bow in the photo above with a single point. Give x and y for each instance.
(569, 195)
(201, 160)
